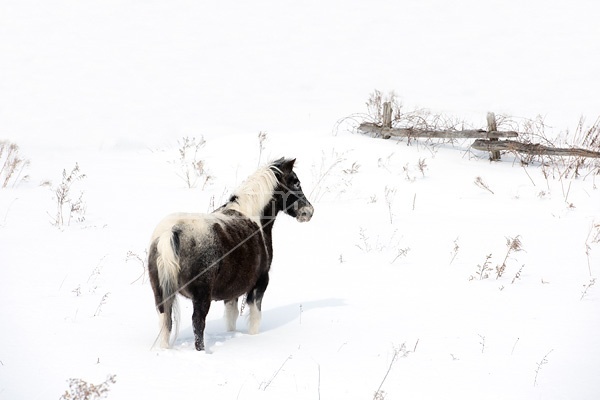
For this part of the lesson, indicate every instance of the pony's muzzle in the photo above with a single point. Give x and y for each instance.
(305, 213)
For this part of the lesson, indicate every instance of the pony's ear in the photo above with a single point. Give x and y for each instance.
(285, 165)
(288, 165)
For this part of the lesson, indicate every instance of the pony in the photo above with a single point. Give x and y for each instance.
(224, 254)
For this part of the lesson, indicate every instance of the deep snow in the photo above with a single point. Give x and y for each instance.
(337, 305)
(113, 86)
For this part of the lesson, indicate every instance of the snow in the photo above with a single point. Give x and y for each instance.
(373, 280)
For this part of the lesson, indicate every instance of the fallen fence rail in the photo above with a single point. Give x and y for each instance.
(386, 132)
(532, 148)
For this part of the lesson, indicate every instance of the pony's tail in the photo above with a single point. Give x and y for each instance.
(167, 262)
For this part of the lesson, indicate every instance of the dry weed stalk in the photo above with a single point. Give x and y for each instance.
(400, 252)
(390, 194)
(482, 342)
(324, 170)
(375, 106)
(133, 256)
(192, 168)
(385, 162)
(62, 195)
(479, 182)
(265, 384)
(406, 169)
(587, 287)
(513, 245)
(368, 245)
(262, 139)
(518, 274)
(399, 351)
(514, 345)
(593, 237)
(353, 169)
(454, 251)
(365, 246)
(483, 269)
(13, 165)
(543, 362)
(82, 390)
(422, 165)
(102, 302)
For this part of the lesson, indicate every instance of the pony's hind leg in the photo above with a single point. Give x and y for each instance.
(254, 300)
(231, 314)
(201, 301)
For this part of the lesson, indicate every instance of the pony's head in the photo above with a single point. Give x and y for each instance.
(288, 195)
(271, 189)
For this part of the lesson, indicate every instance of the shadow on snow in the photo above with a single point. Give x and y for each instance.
(272, 319)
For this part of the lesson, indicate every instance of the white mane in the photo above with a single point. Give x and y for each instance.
(253, 195)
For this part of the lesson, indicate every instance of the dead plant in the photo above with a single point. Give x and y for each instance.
(66, 205)
(513, 245)
(193, 169)
(82, 390)
(12, 165)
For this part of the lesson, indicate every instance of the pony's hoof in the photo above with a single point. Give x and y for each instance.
(199, 346)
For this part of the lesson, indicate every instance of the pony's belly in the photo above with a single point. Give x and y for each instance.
(229, 293)
(222, 291)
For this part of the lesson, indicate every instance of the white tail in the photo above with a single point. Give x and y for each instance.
(167, 263)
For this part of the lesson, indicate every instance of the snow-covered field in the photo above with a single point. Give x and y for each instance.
(379, 292)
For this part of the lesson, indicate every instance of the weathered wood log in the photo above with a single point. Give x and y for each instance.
(386, 133)
(532, 148)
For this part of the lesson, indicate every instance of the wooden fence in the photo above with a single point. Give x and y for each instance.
(485, 140)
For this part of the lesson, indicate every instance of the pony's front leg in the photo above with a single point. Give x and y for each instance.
(254, 300)
(254, 318)
(201, 302)
(231, 314)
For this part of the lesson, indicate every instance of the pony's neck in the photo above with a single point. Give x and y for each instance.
(269, 213)
(267, 220)
(255, 194)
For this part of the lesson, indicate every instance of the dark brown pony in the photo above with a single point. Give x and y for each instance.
(224, 254)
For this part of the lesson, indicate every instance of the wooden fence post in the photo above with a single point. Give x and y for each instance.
(387, 115)
(492, 127)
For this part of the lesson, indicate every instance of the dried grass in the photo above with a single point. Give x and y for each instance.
(12, 165)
